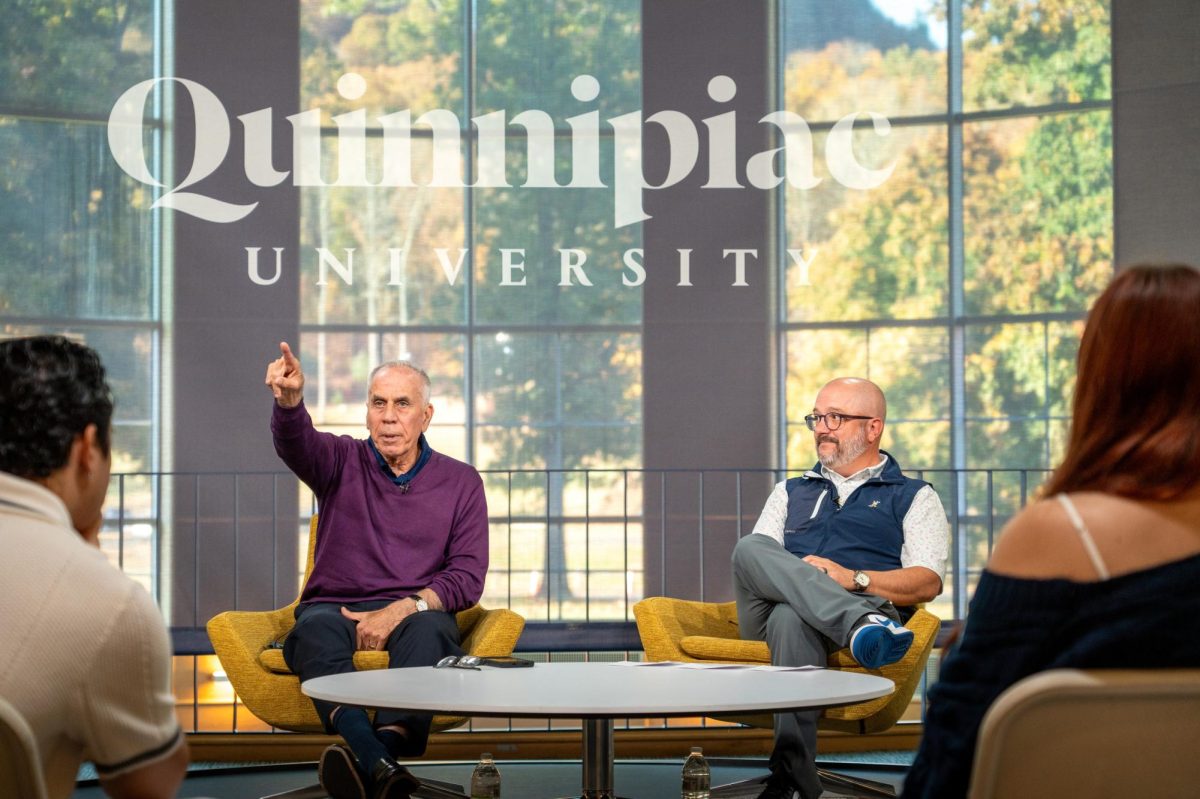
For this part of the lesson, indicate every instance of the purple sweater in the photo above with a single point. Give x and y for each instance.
(374, 539)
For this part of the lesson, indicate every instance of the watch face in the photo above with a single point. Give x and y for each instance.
(861, 579)
(422, 605)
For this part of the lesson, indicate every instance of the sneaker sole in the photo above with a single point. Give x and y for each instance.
(884, 648)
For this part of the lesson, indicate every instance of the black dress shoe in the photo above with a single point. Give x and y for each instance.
(390, 780)
(339, 775)
(778, 787)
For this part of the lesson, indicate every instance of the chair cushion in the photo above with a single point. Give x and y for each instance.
(706, 647)
(272, 660)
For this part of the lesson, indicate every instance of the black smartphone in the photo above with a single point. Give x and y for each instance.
(507, 662)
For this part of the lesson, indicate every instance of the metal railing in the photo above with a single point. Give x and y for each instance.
(571, 550)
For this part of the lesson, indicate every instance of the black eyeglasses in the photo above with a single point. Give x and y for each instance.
(832, 420)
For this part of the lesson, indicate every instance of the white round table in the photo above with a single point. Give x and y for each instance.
(596, 693)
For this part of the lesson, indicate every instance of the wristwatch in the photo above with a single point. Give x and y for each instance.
(861, 581)
(422, 605)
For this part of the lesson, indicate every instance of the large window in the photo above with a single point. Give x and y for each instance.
(467, 281)
(960, 283)
(79, 246)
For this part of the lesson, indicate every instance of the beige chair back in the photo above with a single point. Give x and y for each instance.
(20, 767)
(1092, 734)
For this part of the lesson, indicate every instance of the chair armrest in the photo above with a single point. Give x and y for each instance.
(663, 622)
(239, 636)
(706, 647)
(876, 715)
(495, 634)
(725, 649)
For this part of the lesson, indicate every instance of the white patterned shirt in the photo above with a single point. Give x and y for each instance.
(926, 529)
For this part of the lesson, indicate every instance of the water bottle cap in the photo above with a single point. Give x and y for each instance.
(486, 756)
(697, 750)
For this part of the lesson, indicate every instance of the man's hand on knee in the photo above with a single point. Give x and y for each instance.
(374, 626)
(838, 573)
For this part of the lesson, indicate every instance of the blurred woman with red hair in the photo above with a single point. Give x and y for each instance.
(1104, 571)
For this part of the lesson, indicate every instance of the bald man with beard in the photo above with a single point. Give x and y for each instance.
(839, 558)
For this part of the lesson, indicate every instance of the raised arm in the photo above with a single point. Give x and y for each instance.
(285, 378)
(312, 455)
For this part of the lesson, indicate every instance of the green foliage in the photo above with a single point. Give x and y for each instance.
(1034, 52)
(73, 56)
(1037, 234)
(556, 398)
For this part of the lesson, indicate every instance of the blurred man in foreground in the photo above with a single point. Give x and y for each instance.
(84, 655)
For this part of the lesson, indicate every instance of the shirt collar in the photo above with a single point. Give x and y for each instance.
(33, 499)
(403, 479)
(861, 476)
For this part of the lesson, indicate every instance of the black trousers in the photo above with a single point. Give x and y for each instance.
(323, 642)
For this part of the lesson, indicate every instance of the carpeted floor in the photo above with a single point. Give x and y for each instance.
(640, 779)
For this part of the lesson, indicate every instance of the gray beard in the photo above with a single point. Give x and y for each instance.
(847, 451)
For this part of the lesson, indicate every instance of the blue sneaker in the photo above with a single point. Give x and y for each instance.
(879, 641)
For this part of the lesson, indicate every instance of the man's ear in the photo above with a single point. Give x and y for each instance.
(874, 430)
(79, 456)
(91, 454)
(428, 416)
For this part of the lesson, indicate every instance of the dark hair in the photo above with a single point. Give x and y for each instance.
(1135, 429)
(51, 389)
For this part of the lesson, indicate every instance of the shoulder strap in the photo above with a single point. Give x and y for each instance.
(1085, 537)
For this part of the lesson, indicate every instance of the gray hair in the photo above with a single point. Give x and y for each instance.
(410, 366)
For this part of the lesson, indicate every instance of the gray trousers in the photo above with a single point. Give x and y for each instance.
(803, 615)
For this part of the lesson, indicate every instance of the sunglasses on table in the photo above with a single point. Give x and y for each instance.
(474, 662)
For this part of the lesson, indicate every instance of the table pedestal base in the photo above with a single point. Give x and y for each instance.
(598, 759)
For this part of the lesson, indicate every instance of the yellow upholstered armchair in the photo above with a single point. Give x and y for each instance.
(682, 630)
(242, 640)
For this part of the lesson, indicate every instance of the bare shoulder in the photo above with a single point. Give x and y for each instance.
(1033, 543)
(1130, 535)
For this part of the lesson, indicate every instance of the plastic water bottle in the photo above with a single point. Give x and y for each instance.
(696, 776)
(485, 780)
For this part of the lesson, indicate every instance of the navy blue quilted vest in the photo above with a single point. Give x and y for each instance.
(866, 532)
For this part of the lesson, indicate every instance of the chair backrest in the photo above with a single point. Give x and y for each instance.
(1068, 732)
(312, 548)
(308, 561)
(20, 767)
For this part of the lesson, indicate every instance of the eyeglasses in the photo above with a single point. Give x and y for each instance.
(459, 662)
(832, 420)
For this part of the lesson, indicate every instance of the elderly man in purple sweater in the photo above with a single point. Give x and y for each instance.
(402, 545)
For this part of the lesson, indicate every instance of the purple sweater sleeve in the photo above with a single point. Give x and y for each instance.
(313, 456)
(376, 540)
(459, 584)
